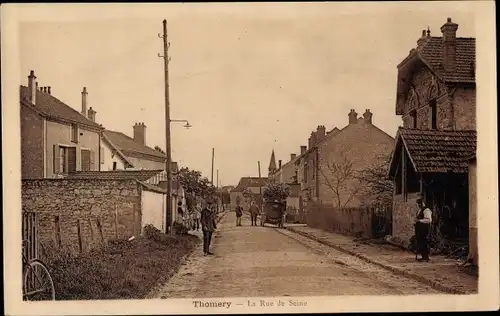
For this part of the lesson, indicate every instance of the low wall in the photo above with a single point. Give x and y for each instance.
(83, 214)
(358, 222)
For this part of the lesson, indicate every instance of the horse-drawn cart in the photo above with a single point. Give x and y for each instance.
(273, 212)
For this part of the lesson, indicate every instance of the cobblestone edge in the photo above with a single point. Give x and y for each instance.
(435, 285)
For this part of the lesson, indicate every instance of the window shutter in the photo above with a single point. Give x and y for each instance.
(92, 160)
(57, 159)
(72, 159)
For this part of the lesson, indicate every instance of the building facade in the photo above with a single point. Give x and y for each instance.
(248, 190)
(55, 139)
(436, 99)
(328, 171)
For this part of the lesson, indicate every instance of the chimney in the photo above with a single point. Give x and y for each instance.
(91, 114)
(32, 87)
(353, 117)
(314, 138)
(279, 164)
(303, 149)
(421, 41)
(368, 116)
(140, 133)
(449, 31)
(48, 90)
(84, 101)
(309, 142)
(320, 133)
(293, 156)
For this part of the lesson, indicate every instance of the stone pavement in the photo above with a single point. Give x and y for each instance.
(440, 273)
(265, 261)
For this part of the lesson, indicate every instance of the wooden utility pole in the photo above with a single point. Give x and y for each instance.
(212, 177)
(260, 186)
(168, 161)
(217, 185)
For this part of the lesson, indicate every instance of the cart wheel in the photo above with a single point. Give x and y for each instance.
(38, 284)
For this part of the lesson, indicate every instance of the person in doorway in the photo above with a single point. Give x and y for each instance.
(208, 226)
(196, 217)
(239, 214)
(254, 212)
(423, 222)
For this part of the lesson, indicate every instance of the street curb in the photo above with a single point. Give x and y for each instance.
(435, 285)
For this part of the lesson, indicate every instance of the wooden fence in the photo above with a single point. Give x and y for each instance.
(369, 222)
(30, 224)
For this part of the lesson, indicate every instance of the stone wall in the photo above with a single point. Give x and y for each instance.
(403, 216)
(464, 102)
(31, 144)
(86, 212)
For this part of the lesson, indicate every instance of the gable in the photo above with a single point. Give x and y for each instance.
(129, 147)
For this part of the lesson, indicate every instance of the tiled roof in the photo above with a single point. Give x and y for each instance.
(438, 151)
(246, 182)
(141, 175)
(51, 107)
(432, 53)
(127, 144)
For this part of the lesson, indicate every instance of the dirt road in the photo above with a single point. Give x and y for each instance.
(264, 261)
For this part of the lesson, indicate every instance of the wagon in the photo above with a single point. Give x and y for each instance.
(273, 212)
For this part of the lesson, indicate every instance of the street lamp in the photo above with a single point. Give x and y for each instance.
(187, 125)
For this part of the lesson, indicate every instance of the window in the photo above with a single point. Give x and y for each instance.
(433, 106)
(87, 160)
(74, 133)
(305, 172)
(64, 159)
(114, 165)
(413, 115)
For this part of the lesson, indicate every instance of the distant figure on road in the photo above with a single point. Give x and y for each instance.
(196, 216)
(208, 226)
(423, 222)
(254, 212)
(239, 214)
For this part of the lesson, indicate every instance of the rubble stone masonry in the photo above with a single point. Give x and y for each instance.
(83, 212)
(31, 144)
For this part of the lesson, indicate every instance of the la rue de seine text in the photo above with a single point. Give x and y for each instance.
(251, 303)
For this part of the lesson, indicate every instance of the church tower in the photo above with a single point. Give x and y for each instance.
(272, 165)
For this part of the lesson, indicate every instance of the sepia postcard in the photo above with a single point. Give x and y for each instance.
(244, 158)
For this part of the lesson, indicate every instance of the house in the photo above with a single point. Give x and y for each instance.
(248, 190)
(55, 138)
(436, 98)
(123, 152)
(329, 170)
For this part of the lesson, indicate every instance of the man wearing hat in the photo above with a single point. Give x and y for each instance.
(423, 222)
(208, 226)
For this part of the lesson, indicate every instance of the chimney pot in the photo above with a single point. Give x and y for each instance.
(48, 90)
(32, 87)
(367, 116)
(303, 149)
(353, 117)
(293, 156)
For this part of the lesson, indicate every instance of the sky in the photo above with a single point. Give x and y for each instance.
(249, 78)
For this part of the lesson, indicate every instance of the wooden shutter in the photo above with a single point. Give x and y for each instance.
(57, 159)
(71, 159)
(92, 160)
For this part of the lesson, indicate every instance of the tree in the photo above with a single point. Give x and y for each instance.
(378, 188)
(194, 183)
(276, 192)
(340, 177)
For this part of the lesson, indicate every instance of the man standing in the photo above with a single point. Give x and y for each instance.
(254, 212)
(239, 214)
(423, 222)
(208, 226)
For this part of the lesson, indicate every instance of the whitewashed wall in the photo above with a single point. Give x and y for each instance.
(108, 159)
(153, 209)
